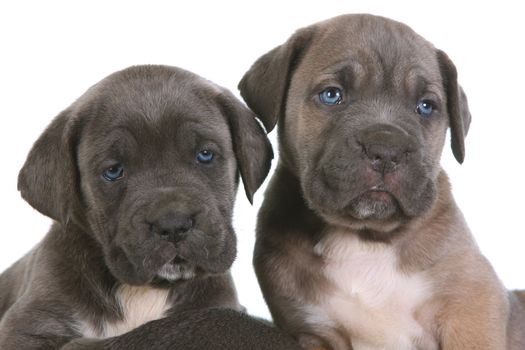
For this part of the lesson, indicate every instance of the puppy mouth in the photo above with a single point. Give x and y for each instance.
(378, 193)
(178, 260)
(177, 269)
(375, 203)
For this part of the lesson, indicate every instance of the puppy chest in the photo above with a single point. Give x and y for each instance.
(370, 298)
(138, 305)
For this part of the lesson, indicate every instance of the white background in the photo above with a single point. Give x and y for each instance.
(51, 52)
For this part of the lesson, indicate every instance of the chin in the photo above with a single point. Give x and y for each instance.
(374, 205)
(175, 271)
(373, 215)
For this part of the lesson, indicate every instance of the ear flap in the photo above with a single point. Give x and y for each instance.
(264, 87)
(48, 180)
(457, 106)
(252, 147)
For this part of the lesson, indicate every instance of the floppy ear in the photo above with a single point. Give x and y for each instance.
(48, 180)
(264, 87)
(252, 148)
(457, 106)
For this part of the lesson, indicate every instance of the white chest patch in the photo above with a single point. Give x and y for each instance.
(372, 299)
(139, 305)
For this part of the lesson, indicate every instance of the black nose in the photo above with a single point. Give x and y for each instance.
(173, 226)
(386, 147)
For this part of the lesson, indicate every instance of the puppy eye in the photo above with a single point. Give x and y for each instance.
(114, 173)
(425, 108)
(205, 156)
(331, 96)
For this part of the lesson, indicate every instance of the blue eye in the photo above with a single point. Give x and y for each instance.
(113, 173)
(331, 96)
(205, 156)
(425, 108)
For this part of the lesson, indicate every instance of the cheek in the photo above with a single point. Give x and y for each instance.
(103, 205)
(435, 139)
(232, 170)
(224, 189)
(220, 183)
(304, 132)
(91, 192)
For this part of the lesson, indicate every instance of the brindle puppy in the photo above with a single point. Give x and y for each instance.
(359, 241)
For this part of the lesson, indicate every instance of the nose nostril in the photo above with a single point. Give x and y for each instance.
(186, 225)
(385, 158)
(173, 227)
(385, 148)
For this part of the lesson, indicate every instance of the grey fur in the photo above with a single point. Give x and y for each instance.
(165, 225)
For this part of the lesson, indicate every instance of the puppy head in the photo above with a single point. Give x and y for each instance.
(147, 162)
(363, 105)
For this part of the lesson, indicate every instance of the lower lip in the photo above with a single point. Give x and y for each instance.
(379, 196)
(178, 260)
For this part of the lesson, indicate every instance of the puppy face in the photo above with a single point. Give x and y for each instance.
(366, 107)
(153, 154)
(362, 149)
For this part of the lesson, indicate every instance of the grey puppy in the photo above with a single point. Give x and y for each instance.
(139, 176)
(360, 244)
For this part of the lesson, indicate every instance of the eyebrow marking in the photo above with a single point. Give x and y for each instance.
(416, 84)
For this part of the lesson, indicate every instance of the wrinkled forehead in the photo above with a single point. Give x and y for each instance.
(383, 51)
(156, 108)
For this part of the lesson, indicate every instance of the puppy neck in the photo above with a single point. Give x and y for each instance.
(134, 306)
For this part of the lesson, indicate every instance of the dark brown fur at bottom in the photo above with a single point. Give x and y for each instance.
(203, 329)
